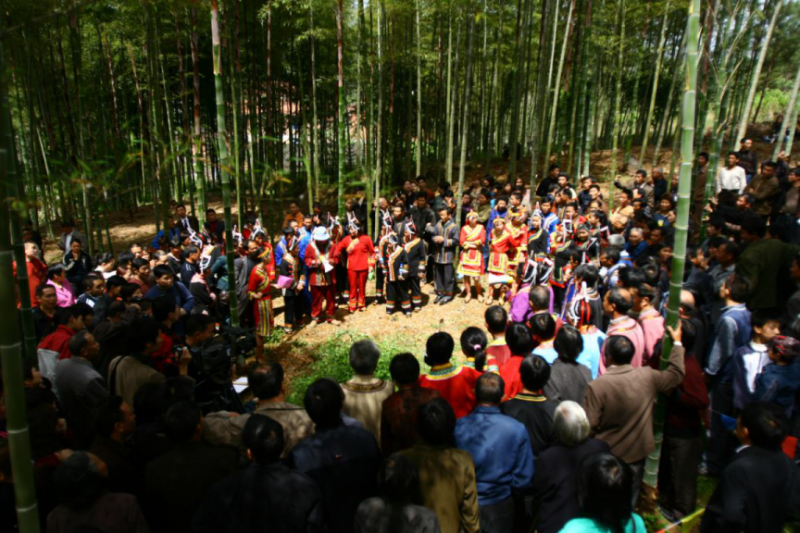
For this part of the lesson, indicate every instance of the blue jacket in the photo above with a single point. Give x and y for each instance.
(732, 332)
(778, 384)
(183, 298)
(501, 450)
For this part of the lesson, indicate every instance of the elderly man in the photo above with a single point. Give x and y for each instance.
(636, 243)
(364, 393)
(499, 474)
(555, 480)
(620, 403)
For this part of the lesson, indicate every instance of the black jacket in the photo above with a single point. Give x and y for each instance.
(248, 502)
(756, 494)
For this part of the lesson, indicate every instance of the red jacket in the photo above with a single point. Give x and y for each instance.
(37, 273)
(510, 374)
(58, 341)
(456, 384)
(359, 254)
(317, 277)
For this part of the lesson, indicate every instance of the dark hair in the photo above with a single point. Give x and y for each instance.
(162, 307)
(65, 314)
(264, 438)
(439, 348)
(534, 372)
(128, 290)
(364, 356)
(88, 281)
(518, 339)
(539, 297)
(769, 164)
(496, 319)
(76, 343)
(436, 422)
(160, 271)
(125, 258)
(181, 421)
(145, 330)
(501, 199)
(703, 154)
(605, 485)
(543, 326)
(619, 299)
(489, 388)
(646, 291)
(619, 350)
(589, 274)
(117, 281)
(765, 423)
(266, 381)
(612, 253)
(759, 318)
(631, 277)
(55, 270)
(471, 338)
(568, 343)
(197, 324)
(116, 309)
(398, 478)
(739, 287)
(753, 223)
(323, 402)
(77, 481)
(107, 415)
(43, 287)
(404, 369)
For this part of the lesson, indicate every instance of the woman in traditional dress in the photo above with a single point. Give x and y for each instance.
(500, 249)
(258, 290)
(473, 237)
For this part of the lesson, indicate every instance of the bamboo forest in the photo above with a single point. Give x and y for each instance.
(557, 167)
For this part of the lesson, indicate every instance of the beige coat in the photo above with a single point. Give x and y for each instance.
(128, 374)
(363, 400)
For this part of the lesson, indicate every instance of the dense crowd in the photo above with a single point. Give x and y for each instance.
(543, 421)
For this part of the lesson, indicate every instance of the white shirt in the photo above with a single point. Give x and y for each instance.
(754, 362)
(732, 179)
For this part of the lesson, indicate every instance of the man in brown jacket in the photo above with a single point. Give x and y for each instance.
(619, 403)
(765, 187)
(446, 474)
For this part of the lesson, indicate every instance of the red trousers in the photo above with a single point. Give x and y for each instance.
(358, 288)
(319, 293)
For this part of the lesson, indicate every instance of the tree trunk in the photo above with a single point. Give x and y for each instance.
(654, 91)
(788, 115)
(197, 141)
(465, 126)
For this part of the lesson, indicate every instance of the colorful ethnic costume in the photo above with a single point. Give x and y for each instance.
(358, 252)
(258, 290)
(456, 384)
(396, 268)
(292, 268)
(471, 260)
(501, 248)
(415, 252)
(443, 256)
(519, 238)
(321, 275)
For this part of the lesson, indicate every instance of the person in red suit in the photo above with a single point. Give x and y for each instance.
(359, 251)
(520, 342)
(455, 383)
(320, 260)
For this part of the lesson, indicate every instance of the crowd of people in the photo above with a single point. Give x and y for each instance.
(538, 417)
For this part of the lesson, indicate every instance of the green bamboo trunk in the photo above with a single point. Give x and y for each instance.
(10, 346)
(465, 127)
(222, 141)
(788, 115)
(688, 109)
(654, 91)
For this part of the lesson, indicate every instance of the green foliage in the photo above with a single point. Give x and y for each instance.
(332, 360)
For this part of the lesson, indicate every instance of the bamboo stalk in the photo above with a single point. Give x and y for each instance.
(222, 142)
(688, 109)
